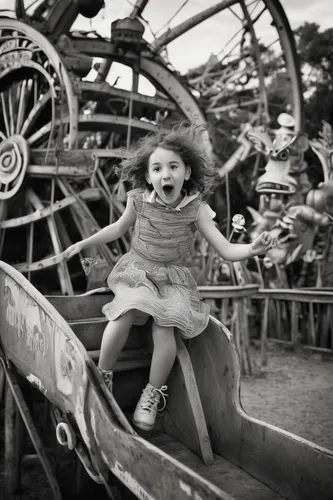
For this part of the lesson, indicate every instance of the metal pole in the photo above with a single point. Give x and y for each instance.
(138, 8)
(174, 33)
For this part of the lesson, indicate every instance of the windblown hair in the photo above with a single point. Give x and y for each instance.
(187, 142)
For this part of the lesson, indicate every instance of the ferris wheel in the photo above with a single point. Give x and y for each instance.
(63, 117)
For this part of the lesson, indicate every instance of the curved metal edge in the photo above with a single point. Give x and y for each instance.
(177, 92)
(292, 59)
(157, 72)
(58, 65)
(287, 42)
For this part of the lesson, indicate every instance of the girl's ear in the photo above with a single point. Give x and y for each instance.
(187, 173)
(148, 178)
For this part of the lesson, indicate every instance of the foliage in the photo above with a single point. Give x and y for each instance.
(316, 58)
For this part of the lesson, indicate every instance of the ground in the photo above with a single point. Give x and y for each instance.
(293, 392)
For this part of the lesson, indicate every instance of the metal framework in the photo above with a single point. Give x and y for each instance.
(62, 132)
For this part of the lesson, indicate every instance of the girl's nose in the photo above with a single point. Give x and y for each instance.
(166, 174)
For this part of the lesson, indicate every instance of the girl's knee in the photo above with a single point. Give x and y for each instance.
(165, 332)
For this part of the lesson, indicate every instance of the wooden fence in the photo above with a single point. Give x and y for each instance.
(293, 317)
(298, 318)
(232, 306)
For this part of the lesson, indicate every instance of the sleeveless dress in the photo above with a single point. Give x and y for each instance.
(152, 278)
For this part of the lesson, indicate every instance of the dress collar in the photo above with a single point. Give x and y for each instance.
(152, 197)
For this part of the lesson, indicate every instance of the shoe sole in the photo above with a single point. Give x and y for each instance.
(142, 426)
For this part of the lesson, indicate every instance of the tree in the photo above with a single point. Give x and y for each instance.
(316, 57)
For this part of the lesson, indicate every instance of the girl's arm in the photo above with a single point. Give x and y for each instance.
(115, 230)
(108, 233)
(229, 251)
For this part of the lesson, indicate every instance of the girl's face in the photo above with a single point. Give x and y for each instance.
(167, 173)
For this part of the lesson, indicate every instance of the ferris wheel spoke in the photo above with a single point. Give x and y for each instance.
(35, 112)
(41, 133)
(4, 114)
(11, 112)
(236, 105)
(21, 105)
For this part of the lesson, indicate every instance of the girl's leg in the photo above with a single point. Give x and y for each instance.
(114, 338)
(164, 354)
(165, 350)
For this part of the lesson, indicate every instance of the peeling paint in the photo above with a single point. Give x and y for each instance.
(132, 484)
(105, 457)
(65, 363)
(79, 416)
(185, 488)
(23, 314)
(93, 426)
(37, 382)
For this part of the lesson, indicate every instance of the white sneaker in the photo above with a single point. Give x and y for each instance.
(145, 412)
(108, 378)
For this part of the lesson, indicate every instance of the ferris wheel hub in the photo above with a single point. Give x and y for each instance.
(14, 159)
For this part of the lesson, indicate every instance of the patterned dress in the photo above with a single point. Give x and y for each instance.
(152, 278)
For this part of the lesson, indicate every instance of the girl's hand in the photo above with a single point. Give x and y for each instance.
(262, 243)
(73, 250)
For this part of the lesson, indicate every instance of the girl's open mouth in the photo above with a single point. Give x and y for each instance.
(168, 190)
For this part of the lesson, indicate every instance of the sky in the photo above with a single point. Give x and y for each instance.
(194, 48)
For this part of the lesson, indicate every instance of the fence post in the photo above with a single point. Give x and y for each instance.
(263, 334)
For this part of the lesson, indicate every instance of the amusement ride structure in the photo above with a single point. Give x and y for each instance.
(64, 124)
(60, 127)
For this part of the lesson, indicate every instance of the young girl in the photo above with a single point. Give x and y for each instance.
(169, 174)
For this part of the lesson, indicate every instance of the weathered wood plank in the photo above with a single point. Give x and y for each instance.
(90, 194)
(103, 90)
(49, 170)
(25, 267)
(77, 307)
(222, 473)
(294, 323)
(125, 355)
(299, 295)
(226, 292)
(195, 403)
(182, 417)
(302, 347)
(11, 458)
(263, 333)
(90, 334)
(72, 157)
(291, 466)
(100, 121)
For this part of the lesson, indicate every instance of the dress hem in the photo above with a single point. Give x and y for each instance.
(147, 311)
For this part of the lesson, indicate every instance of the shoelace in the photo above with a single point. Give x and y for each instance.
(150, 401)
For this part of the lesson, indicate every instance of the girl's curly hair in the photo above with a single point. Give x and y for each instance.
(187, 142)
